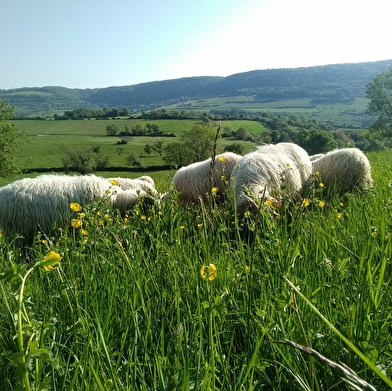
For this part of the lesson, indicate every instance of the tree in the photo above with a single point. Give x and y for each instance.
(199, 142)
(133, 160)
(112, 130)
(148, 149)
(177, 154)
(316, 141)
(79, 160)
(379, 92)
(235, 148)
(158, 147)
(11, 139)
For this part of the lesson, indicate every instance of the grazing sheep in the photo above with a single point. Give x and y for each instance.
(344, 170)
(265, 171)
(316, 156)
(33, 204)
(197, 179)
(144, 182)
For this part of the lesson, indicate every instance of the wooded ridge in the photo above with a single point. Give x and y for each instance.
(318, 85)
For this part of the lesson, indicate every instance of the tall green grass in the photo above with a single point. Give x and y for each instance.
(128, 306)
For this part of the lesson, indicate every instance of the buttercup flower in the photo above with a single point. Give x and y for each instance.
(214, 190)
(321, 204)
(76, 223)
(51, 260)
(208, 271)
(114, 182)
(222, 159)
(75, 207)
(305, 202)
(321, 184)
(268, 203)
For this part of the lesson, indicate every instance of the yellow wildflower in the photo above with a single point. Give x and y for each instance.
(321, 204)
(288, 164)
(144, 217)
(209, 270)
(182, 227)
(76, 223)
(268, 203)
(114, 182)
(305, 202)
(214, 190)
(338, 215)
(199, 225)
(51, 260)
(321, 184)
(247, 214)
(75, 207)
(84, 232)
(222, 159)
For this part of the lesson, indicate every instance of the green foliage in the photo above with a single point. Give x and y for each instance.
(199, 142)
(132, 160)
(112, 130)
(176, 153)
(135, 301)
(316, 141)
(235, 148)
(379, 92)
(11, 140)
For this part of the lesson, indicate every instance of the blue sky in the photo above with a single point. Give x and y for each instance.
(90, 44)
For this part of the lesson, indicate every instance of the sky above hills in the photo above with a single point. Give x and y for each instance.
(91, 44)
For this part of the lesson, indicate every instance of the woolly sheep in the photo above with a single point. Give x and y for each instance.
(344, 170)
(263, 172)
(196, 180)
(143, 183)
(33, 204)
(316, 156)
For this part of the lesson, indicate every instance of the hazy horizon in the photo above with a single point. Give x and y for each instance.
(84, 44)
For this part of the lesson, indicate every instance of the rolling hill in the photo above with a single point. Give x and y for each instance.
(332, 93)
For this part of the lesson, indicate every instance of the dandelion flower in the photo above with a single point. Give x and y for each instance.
(75, 207)
(76, 223)
(305, 202)
(321, 204)
(208, 271)
(114, 182)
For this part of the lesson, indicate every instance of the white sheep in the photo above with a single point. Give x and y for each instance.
(316, 156)
(264, 173)
(144, 183)
(33, 204)
(198, 179)
(344, 170)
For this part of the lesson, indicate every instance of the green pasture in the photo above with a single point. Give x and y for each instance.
(48, 140)
(174, 297)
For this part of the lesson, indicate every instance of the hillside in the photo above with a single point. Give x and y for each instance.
(333, 93)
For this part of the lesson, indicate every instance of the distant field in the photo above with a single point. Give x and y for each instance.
(48, 141)
(337, 113)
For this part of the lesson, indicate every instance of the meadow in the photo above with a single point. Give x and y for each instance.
(48, 141)
(196, 298)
